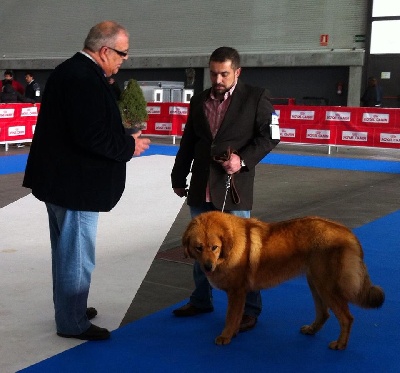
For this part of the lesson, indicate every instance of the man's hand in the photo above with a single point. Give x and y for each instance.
(232, 165)
(141, 144)
(180, 192)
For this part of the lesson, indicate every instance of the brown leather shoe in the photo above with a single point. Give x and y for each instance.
(190, 310)
(248, 322)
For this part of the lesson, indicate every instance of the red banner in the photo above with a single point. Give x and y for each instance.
(340, 125)
(17, 122)
(326, 125)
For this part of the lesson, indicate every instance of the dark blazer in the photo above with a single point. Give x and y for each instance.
(245, 129)
(79, 150)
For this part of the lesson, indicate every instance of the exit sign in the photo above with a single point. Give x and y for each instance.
(359, 38)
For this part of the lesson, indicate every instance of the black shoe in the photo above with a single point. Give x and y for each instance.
(248, 322)
(190, 310)
(91, 313)
(94, 333)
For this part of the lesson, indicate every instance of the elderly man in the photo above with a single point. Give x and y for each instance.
(77, 166)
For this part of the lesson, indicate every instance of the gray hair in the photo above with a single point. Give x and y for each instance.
(103, 34)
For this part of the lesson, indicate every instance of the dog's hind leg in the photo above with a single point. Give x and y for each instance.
(341, 310)
(236, 302)
(321, 312)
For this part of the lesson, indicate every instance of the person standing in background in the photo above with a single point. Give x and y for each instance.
(32, 89)
(9, 77)
(227, 133)
(373, 94)
(77, 167)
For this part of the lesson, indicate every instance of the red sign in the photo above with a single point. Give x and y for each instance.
(323, 40)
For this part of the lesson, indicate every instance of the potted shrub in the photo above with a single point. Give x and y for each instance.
(133, 107)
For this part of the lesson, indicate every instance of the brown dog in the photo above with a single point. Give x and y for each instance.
(239, 255)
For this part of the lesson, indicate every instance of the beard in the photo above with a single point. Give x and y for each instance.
(219, 90)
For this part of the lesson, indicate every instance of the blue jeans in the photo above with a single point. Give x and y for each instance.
(202, 295)
(73, 238)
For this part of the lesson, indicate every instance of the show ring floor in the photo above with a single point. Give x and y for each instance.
(139, 273)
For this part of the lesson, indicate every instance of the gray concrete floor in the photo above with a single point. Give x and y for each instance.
(281, 192)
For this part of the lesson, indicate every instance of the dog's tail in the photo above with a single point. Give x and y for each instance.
(370, 296)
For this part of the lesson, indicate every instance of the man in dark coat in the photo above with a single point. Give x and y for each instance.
(77, 166)
(32, 89)
(232, 118)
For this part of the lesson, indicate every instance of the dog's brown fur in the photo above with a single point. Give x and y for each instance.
(239, 255)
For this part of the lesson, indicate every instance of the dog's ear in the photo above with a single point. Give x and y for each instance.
(186, 240)
(227, 243)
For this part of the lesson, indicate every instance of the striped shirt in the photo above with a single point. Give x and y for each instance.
(215, 111)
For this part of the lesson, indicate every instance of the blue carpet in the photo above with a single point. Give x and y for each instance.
(163, 343)
(16, 163)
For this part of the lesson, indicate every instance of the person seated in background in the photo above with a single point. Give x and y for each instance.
(10, 95)
(32, 89)
(9, 77)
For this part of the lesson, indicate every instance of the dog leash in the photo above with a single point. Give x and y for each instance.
(230, 182)
(227, 185)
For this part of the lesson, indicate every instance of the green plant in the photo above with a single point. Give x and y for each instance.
(132, 106)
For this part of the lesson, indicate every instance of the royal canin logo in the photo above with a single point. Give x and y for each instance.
(391, 138)
(318, 134)
(354, 136)
(287, 132)
(7, 113)
(16, 131)
(153, 109)
(163, 126)
(178, 110)
(302, 115)
(338, 116)
(375, 118)
(29, 112)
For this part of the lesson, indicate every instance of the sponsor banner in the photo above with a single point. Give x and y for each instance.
(389, 138)
(289, 134)
(338, 116)
(379, 117)
(167, 108)
(7, 113)
(16, 131)
(163, 126)
(302, 115)
(31, 111)
(296, 114)
(153, 110)
(316, 134)
(375, 118)
(178, 110)
(354, 136)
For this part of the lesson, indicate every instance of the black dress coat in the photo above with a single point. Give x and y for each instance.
(79, 150)
(245, 128)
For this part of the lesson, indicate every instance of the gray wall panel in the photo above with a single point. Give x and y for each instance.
(48, 28)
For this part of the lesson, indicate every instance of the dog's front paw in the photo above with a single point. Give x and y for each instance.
(220, 340)
(308, 329)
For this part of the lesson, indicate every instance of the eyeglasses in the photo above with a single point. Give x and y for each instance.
(120, 53)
